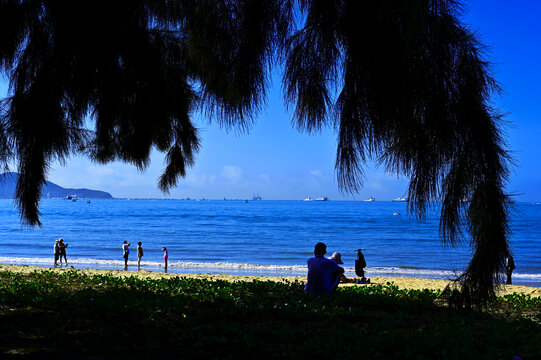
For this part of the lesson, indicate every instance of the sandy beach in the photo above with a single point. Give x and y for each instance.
(401, 282)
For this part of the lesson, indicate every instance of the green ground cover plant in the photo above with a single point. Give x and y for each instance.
(75, 315)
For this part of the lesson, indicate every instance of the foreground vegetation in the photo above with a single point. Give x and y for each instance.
(76, 315)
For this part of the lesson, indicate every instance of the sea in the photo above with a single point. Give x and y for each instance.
(254, 237)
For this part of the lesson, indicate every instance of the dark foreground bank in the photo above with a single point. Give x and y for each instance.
(74, 315)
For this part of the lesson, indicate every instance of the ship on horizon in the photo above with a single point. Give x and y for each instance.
(256, 197)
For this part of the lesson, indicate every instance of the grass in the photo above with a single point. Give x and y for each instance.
(75, 316)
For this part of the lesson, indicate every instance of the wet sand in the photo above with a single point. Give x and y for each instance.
(401, 282)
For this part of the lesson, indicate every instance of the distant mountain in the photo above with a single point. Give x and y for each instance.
(50, 190)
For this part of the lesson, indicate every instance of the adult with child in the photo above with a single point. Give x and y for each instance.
(323, 274)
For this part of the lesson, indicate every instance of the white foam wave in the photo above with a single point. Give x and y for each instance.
(247, 269)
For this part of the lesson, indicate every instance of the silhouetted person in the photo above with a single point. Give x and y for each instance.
(323, 274)
(126, 251)
(140, 254)
(165, 257)
(509, 267)
(56, 249)
(62, 248)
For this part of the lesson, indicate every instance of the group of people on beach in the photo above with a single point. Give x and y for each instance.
(324, 274)
(60, 251)
(140, 254)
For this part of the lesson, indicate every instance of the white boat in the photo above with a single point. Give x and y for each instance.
(370, 199)
(308, 199)
(400, 199)
(322, 198)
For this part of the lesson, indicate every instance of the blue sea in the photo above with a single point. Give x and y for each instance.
(269, 238)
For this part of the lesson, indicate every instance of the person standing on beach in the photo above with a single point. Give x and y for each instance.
(509, 267)
(139, 254)
(323, 274)
(126, 250)
(56, 250)
(62, 251)
(165, 256)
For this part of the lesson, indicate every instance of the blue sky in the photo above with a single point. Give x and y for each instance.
(278, 162)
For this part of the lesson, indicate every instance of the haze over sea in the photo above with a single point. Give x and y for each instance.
(255, 238)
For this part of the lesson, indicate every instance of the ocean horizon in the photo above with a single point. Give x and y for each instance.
(262, 237)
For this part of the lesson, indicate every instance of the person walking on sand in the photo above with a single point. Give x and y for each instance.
(126, 250)
(139, 254)
(62, 248)
(165, 257)
(56, 250)
(323, 274)
(509, 267)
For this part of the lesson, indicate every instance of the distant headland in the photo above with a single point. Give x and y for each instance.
(8, 182)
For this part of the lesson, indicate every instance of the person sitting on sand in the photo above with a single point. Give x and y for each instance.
(126, 251)
(323, 274)
(337, 258)
(139, 254)
(62, 249)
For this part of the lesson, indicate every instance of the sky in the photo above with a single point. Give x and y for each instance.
(278, 162)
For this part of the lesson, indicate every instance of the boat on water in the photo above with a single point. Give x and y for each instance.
(322, 198)
(371, 198)
(256, 197)
(400, 199)
(308, 199)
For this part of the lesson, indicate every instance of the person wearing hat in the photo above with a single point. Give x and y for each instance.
(323, 274)
(337, 258)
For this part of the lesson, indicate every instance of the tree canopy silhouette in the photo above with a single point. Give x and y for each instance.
(404, 82)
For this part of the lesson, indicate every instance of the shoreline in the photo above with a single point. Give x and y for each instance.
(401, 281)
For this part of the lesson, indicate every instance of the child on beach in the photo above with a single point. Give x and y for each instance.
(165, 256)
(126, 251)
(139, 254)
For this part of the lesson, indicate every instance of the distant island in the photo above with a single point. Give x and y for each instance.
(8, 182)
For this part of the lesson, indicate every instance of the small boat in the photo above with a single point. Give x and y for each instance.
(256, 197)
(400, 199)
(322, 198)
(88, 201)
(371, 198)
(396, 213)
(308, 199)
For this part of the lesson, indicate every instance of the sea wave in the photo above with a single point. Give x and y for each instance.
(250, 269)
